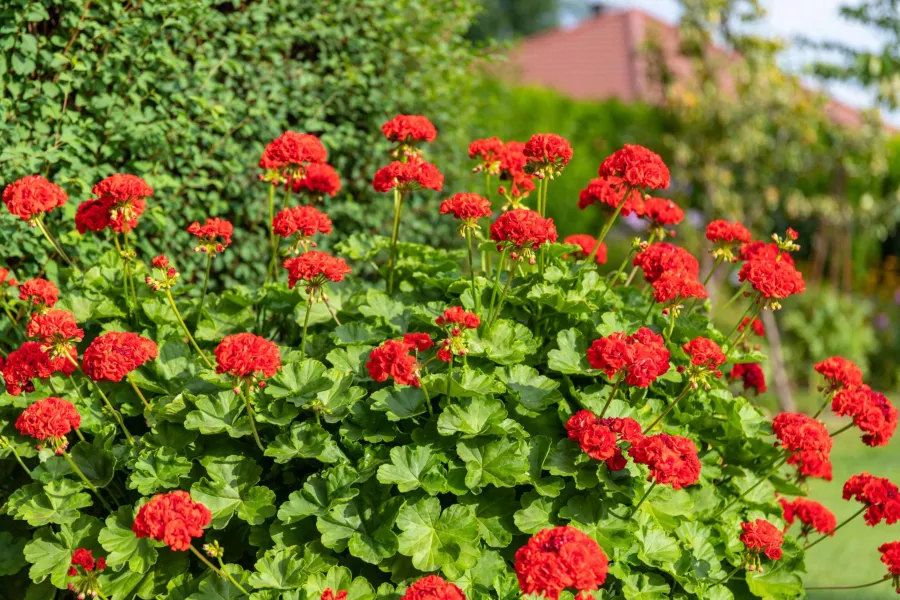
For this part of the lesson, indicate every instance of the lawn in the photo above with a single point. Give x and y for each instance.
(852, 556)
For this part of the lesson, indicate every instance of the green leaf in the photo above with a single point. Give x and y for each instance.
(412, 467)
(122, 546)
(472, 417)
(286, 568)
(305, 440)
(299, 382)
(571, 355)
(213, 587)
(469, 383)
(505, 343)
(357, 333)
(54, 502)
(50, 554)
(669, 506)
(399, 402)
(540, 447)
(502, 462)
(160, 470)
(656, 546)
(97, 464)
(391, 312)
(775, 583)
(363, 525)
(11, 557)
(496, 525)
(614, 533)
(320, 492)
(641, 586)
(537, 512)
(348, 360)
(223, 413)
(232, 489)
(532, 389)
(432, 538)
(339, 578)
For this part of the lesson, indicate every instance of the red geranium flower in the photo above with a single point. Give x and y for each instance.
(560, 558)
(49, 419)
(637, 166)
(392, 359)
(246, 355)
(587, 243)
(467, 207)
(756, 325)
(433, 587)
(457, 316)
(811, 514)
(881, 497)
(32, 196)
(92, 215)
(548, 151)
(210, 234)
(660, 257)
(55, 328)
(124, 197)
(772, 279)
(661, 212)
(5, 279)
(764, 251)
(293, 150)
(725, 232)
(751, 375)
(672, 460)
(315, 267)
(890, 556)
(523, 231)
(705, 353)
(319, 180)
(408, 176)
(609, 193)
(420, 341)
(598, 438)
(172, 518)
(112, 356)
(32, 361)
(761, 537)
(674, 286)
(643, 356)
(84, 558)
(328, 594)
(409, 128)
(302, 221)
(872, 412)
(40, 292)
(839, 372)
(796, 431)
(812, 463)
(488, 151)
(455, 320)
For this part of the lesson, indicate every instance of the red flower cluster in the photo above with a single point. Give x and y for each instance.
(489, 151)
(839, 372)
(247, 355)
(522, 229)
(813, 515)
(872, 412)
(890, 556)
(637, 166)
(92, 215)
(661, 212)
(55, 328)
(408, 176)
(672, 286)
(393, 359)
(318, 179)
(727, 233)
(773, 279)
(561, 558)
(32, 361)
(751, 375)
(173, 519)
(409, 128)
(40, 292)
(328, 594)
(420, 341)
(763, 251)
(292, 149)
(756, 325)
(466, 206)
(660, 258)
(643, 356)
(512, 169)
(32, 196)
(433, 587)
(548, 150)
(610, 192)
(455, 320)
(112, 356)
(672, 460)
(121, 200)
(304, 221)
(6, 279)
(84, 558)
(598, 438)
(50, 418)
(210, 232)
(705, 353)
(457, 316)
(587, 243)
(807, 441)
(881, 497)
(761, 536)
(315, 267)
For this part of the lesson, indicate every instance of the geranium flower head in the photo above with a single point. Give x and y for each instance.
(637, 166)
(468, 208)
(329, 594)
(124, 198)
(247, 356)
(215, 235)
(872, 412)
(31, 361)
(393, 359)
(706, 358)
(598, 438)
(672, 459)
(727, 236)
(839, 372)
(173, 518)
(291, 151)
(890, 556)
(751, 375)
(420, 341)
(92, 215)
(558, 559)
(796, 431)
(609, 193)
(49, 419)
(522, 231)
(755, 325)
(643, 356)
(56, 329)
(32, 196)
(433, 587)
(42, 293)
(518, 183)
(315, 268)
(811, 514)
(409, 129)
(303, 222)
(674, 286)
(547, 154)
(661, 212)
(408, 176)
(318, 180)
(488, 152)
(586, 242)
(761, 537)
(113, 355)
(881, 497)
(763, 251)
(661, 257)
(6, 280)
(773, 280)
(812, 463)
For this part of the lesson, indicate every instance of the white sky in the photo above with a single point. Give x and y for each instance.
(814, 19)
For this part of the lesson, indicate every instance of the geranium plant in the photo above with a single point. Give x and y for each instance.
(399, 421)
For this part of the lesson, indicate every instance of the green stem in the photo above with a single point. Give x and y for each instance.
(842, 429)
(713, 270)
(644, 497)
(186, 330)
(737, 295)
(101, 595)
(669, 408)
(9, 314)
(832, 532)
(475, 297)
(395, 232)
(496, 285)
(740, 320)
(496, 314)
(612, 395)
(729, 576)
(217, 571)
(115, 413)
(615, 279)
(648, 313)
(331, 310)
(125, 293)
(128, 273)
(606, 227)
(828, 400)
(754, 486)
(245, 394)
(287, 192)
(205, 286)
(847, 587)
(79, 434)
(87, 481)
(305, 326)
(39, 221)
(746, 329)
(228, 575)
(137, 390)
(427, 399)
(273, 241)
(19, 460)
(449, 376)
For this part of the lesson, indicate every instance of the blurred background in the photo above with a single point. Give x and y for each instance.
(774, 112)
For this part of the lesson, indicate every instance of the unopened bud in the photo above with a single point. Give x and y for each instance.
(237, 391)
(262, 384)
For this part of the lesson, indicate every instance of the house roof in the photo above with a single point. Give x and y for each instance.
(602, 58)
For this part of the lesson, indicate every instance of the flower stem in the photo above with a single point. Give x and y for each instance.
(228, 575)
(737, 295)
(644, 497)
(669, 408)
(606, 227)
(729, 576)
(754, 486)
(612, 395)
(19, 460)
(217, 571)
(427, 399)
(125, 293)
(305, 326)
(127, 260)
(272, 239)
(115, 413)
(831, 533)
(205, 286)
(496, 285)
(87, 481)
(615, 279)
(475, 297)
(13, 320)
(746, 330)
(847, 587)
(39, 221)
(245, 394)
(137, 390)
(713, 270)
(634, 269)
(842, 429)
(186, 330)
(449, 376)
(79, 434)
(496, 313)
(828, 400)
(649, 312)
(331, 310)
(395, 232)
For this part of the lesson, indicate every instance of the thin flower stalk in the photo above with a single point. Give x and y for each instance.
(137, 391)
(309, 303)
(116, 415)
(39, 221)
(754, 486)
(245, 395)
(612, 394)
(643, 498)
(86, 481)
(848, 587)
(495, 314)
(205, 287)
(832, 532)
(475, 295)
(186, 330)
(220, 572)
(273, 241)
(669, 408)
(4, 443)
(395, 232)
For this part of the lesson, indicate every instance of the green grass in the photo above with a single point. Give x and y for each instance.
(851, 557)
